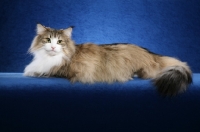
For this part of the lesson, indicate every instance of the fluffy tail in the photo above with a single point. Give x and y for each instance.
(174, 77)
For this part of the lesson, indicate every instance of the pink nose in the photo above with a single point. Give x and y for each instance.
(53, 47)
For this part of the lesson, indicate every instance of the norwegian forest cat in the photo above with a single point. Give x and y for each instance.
(55, 54)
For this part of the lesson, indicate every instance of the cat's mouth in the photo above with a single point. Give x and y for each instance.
(51, 52)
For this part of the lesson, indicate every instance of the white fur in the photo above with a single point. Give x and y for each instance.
(45, 58)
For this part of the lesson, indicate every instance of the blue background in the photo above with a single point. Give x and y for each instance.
(167, 27)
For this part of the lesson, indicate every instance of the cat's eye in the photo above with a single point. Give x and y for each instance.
(59, 41)
(48, 40)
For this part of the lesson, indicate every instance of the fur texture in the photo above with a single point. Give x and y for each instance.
(55, 54)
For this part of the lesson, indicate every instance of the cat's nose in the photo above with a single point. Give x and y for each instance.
(53, 47)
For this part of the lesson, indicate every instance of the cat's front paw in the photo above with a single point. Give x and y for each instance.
(31, 71)
(30, 74)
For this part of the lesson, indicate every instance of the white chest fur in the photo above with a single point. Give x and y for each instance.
(42, 63)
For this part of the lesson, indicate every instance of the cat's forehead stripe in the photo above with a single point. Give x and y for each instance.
(54, 34)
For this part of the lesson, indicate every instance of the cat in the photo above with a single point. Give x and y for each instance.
(55, 54)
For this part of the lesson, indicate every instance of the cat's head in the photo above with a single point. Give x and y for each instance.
(53, 42)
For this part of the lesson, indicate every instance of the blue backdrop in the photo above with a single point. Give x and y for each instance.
(168, 27)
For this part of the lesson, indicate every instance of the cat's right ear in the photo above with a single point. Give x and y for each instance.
(40, 29)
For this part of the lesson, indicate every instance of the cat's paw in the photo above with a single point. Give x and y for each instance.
(30, 74)
(31, 71)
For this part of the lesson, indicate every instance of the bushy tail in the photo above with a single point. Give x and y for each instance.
(174, 77)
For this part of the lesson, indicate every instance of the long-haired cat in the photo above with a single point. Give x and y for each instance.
(55, 54)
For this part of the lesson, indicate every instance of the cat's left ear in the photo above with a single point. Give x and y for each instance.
(68, 31)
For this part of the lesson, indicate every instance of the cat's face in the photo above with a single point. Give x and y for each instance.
(52, 41)
(52, 45)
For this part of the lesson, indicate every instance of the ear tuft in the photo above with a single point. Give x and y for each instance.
(40, 29)
(68, 31)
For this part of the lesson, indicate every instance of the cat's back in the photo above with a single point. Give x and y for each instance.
(87, 48)
(121, 47)
(115, 50)
(91, 47)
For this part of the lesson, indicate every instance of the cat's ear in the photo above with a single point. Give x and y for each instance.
(68, 31)
(41, 29)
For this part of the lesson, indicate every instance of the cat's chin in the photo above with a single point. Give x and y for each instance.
(52, 53)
